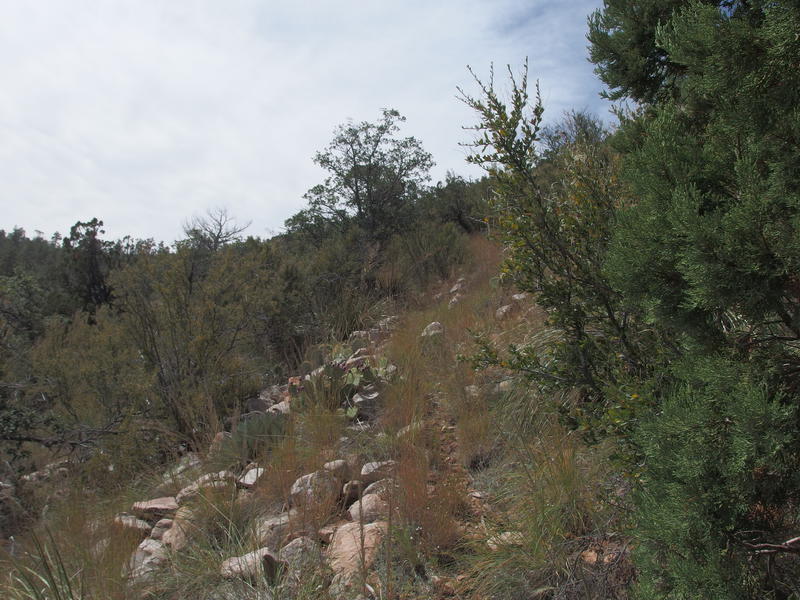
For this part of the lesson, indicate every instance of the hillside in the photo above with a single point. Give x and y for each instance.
(392, 438)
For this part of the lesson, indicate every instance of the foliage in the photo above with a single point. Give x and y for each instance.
(557, 193)
(721, 477)
(374, 178)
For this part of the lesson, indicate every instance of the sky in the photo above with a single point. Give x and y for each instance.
(145, 113)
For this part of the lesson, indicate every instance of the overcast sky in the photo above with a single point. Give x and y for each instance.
(143, 113)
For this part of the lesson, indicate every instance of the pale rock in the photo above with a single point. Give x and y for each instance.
(300, 555)
(249, 479)
(369, 509)
(504, 386)
(177, 536)
(459, 285)
(472, 391)
(380, 487)
(373, 471)
(317, 488)
(283, 408)
(339, 468)
(160, 529)
(271, 531)
(217, 480)
(149, 555)
(366, 402)
(155, 509)
(504, 312)
(358, 336)
(346, 553)
(131, 524)
(325, 534)
(252, 566)
(433, 329)
(358, 360)
(388, 323)
(454, 301)
(519, 297)
(351, 491)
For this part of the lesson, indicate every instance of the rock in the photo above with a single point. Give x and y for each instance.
(186, 463)
(502, 313)
(388, 323)
(504, 386)
(366, 402)
(454, 300)
(252, 566)
(589, 557)
(300, 555)
(249, 479)
(373, 471)
(129, 523)
(217, 481)
(505, 540)
(358, 360)
(325, 534)
(458, 286)
(358, 336)
(348, 558)
(149, 555)
(369, 509)
(432, 330)
(351, 491)
(176, 537)
(318, 488)
(472, 391)
(380, 487)
(270, 531)
(283, 408)
(339, 468)
(160, 528)
(155, 509)
(519, 297)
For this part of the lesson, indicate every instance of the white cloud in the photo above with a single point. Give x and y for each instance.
(143, 113)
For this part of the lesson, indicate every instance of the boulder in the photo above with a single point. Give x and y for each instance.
(271, 531)
(160, 528)
(380, 487)
(218, 480)
(347, 557)
(338, 468)
(251, 477)
(155, 509)
(351, 491)
(283, 408)
(317, 488)
(130, 524)
(366, 402)
(177, 536)
(433, 329)
(252, 566)
(459, 285)
(504, 312)
(300, 555)
(149, 555)
(373, 471)
(369, 509)
(519, 297)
